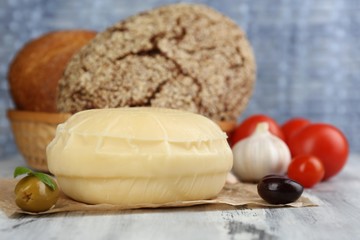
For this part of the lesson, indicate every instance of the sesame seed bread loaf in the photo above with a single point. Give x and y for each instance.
(180, 56)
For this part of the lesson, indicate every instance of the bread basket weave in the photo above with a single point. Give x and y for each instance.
(33, 131)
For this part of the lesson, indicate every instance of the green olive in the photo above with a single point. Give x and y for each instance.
(33, 195)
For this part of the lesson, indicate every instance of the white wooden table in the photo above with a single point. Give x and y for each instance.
(338, 217)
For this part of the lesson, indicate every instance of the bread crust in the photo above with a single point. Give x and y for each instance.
(37, 68)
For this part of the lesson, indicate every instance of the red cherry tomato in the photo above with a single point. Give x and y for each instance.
(291, 127)
(325, 142)
(306, 170)
(247, 127)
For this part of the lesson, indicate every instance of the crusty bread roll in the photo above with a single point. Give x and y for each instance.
(37, 68)
(130, 156)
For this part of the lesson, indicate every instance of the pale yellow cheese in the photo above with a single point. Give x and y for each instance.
(139, 155)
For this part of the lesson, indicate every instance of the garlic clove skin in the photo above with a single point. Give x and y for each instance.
(259, 155)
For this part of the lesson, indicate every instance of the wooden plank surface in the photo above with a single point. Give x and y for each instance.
(337, 217)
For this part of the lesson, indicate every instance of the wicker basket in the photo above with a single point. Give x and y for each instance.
(33, 131)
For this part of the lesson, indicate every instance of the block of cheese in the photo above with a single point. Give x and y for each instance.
(130, 156)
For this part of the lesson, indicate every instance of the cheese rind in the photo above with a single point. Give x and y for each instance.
(159, 149)
(143, 123)
(133, 191)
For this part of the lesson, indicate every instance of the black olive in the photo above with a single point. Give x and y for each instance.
(274, 176)
(279, 189)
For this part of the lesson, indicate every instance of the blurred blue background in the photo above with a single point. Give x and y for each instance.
(307, 52)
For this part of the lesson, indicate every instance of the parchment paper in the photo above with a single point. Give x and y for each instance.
(238, 194)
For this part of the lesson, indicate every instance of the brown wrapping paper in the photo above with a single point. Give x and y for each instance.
(238, 194)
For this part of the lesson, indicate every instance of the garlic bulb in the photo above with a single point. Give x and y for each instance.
(260, 154)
